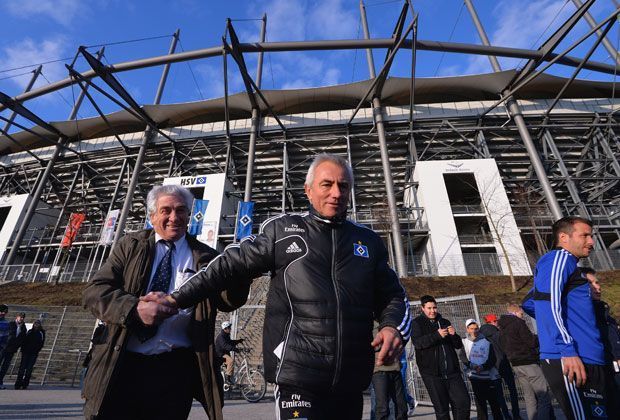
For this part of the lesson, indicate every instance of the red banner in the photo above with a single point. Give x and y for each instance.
(75, 221)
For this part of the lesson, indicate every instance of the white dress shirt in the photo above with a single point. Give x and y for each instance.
(173, 332)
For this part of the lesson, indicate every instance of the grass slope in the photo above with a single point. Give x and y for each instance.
(488, 289)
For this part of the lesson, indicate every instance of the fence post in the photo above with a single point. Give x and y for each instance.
(49, 359)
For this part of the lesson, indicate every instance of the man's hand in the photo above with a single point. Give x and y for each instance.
(451, 330)
(391, 345)
(443, 332)
(573, 369)
(153, 308)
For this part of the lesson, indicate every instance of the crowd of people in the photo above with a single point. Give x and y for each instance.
(159, 291)
(14, 336)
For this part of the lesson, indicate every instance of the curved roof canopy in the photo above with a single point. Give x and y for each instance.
(395, 92)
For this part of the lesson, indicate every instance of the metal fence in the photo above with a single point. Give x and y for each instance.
(482, 264)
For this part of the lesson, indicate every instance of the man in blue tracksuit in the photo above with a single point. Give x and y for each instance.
(571, 349)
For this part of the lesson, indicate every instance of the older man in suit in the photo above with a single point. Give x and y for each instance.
(152, 360)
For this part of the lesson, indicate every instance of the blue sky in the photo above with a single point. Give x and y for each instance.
(37, 31)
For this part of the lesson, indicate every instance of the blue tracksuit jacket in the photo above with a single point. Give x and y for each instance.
(561, 303)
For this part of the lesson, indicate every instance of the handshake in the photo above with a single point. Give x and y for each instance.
(155, 307)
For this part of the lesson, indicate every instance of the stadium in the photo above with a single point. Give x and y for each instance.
(460, 175)
(71, 188)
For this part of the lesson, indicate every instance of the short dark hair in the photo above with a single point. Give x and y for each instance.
(4, 308)
(587, 270)
(565, 225)
(427, 298)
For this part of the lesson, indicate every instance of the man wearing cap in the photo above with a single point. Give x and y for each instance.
(151, 360)
(224, 345)
(478, 360)
(17, 333)
(490, 331)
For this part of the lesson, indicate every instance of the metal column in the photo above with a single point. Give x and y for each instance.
(515, 112)
(34, 202)
(148, 135)
(399, 253)
(606, 43)
(249, 174)
(353, 199)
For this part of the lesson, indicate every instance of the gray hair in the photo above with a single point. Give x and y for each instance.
(158, 191)
(328, 157)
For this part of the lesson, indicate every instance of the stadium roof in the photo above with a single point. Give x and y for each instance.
(346, 96)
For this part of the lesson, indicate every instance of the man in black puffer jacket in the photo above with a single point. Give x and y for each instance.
(521, 347)
(329, 280)
(435, 341)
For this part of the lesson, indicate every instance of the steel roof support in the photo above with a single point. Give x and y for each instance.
(613, 53)
(149, 134)
(284, 171)
(249, 83)
(399, 253)
(350, 159)
(515, 112)
(602, 139)
(9, 122)
(35, 196)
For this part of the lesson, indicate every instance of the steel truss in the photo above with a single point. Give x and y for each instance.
(552, 163)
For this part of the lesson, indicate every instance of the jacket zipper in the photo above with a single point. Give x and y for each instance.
(445, 356)
(338, 314)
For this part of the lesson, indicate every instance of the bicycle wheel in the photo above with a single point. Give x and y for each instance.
(253, 386)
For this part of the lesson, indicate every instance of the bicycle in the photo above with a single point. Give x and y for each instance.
(251, 382)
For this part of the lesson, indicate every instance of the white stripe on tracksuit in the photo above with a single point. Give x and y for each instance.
(573, 398)
(559, 262)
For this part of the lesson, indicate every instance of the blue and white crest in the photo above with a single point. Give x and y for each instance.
(360, 250)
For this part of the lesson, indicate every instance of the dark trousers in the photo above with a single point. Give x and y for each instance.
(25, 369)
(389, 387)
(152, 387)
(509, 379)
(292, 403)
(486, 391)
(5, 359)
(590, 401)
(446, 392)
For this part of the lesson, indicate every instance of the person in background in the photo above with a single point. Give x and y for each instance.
(32, 345)
(478, 358)
(224, 345)
(521, 347)
(388, 388)
(4, 328)
(17, 333)
(490, 331)
(610, 334)
(436, 341)
(404, 363)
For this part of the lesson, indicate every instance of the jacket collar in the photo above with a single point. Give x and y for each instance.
(336, 220)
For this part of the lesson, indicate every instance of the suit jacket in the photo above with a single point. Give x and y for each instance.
(113, 295)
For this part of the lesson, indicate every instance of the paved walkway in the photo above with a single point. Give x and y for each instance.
(65, 403)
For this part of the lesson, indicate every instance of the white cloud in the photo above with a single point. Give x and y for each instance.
(211, 81)
(330, 20)
(28, 52)
(61, 11)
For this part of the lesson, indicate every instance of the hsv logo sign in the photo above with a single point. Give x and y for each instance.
(193, 181)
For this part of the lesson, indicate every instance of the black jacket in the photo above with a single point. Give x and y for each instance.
(435, 355)
(224, 344)
(520, 345)
(491, 333)
(15, 341)
(329, 280)
(33, 342)
(610, 331)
